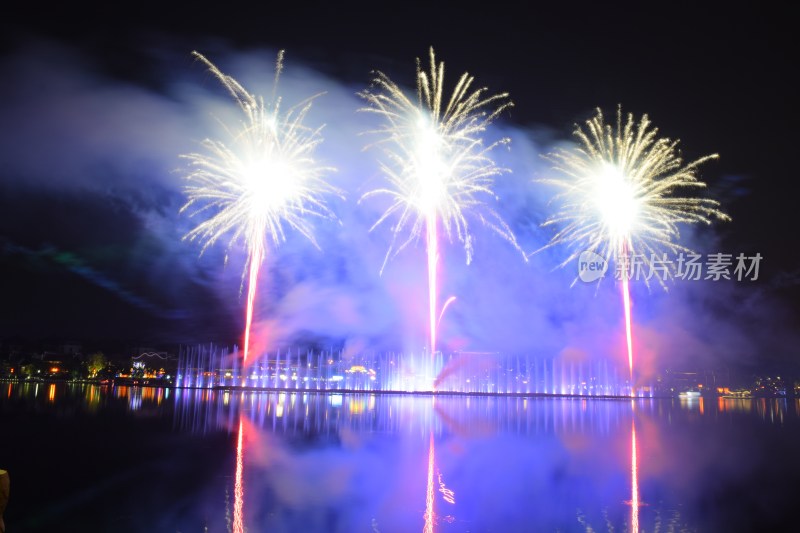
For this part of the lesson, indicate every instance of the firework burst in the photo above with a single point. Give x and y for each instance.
(263, 179)
(618, 197)
(617, 191)
(439, 170)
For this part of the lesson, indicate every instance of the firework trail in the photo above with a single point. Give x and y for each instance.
(617, 198)
(263, 179)
(437, 166)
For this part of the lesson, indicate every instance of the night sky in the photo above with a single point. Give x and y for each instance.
(96, 113)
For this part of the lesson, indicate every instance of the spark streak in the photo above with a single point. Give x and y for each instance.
(444, 308)
(436, 163)
(265, 178)
(433, 258)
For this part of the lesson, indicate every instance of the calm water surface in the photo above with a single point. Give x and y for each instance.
(89, 458)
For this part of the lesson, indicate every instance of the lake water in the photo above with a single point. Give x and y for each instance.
(88, 458)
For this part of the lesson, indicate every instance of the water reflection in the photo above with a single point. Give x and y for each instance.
(448, 425)
(238, 491)
(429, 490)
(306, 461)
(202, 410)
(634, 481)
(435, 483)
(211, 409)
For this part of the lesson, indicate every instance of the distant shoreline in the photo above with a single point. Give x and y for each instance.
(150, 383)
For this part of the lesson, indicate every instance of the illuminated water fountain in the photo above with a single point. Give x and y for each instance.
(209, 366)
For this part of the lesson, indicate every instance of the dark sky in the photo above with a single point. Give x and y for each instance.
(718, 79)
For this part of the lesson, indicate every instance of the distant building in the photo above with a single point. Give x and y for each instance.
(153, 364)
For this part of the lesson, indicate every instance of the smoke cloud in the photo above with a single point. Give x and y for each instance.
(109, 148)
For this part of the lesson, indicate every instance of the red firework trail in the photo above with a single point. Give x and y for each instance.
(626, 298)
(433, 258)
(626, 301)
(252, 285)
